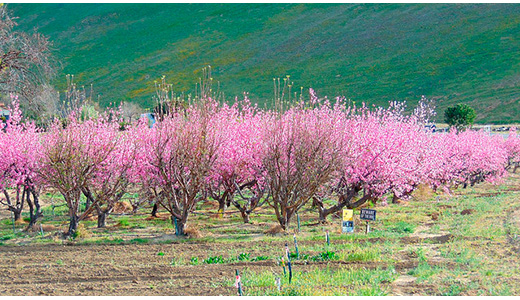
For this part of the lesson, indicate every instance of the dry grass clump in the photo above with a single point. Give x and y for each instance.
(20, 221)
(44, 227)
(275, 229)
(193, 232)
(122, 207)
(423, 193)
(82, 232)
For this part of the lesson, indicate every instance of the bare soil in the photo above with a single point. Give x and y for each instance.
(130, 269)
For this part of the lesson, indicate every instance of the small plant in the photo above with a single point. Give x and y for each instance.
(260, 258)
(160, 254)
(243, 256)
(123, 222)
(7, 237)
(194, 261)
(138, 241)
(324, 256)
(403, 227)
(177, 261)
(59, 262)
(423, 271)
(214, 260)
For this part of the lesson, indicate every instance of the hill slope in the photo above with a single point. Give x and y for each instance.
(367, 52)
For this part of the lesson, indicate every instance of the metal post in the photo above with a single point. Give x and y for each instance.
(298, 218)
(12, 219)
(278, 283)
(238, 284)
(288, 261)
(296, 247)
(368, 227)
(327, 238)
(177, 233)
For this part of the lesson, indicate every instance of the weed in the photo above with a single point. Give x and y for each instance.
(423, 271)
(138, 241)
(403, 227)
(369, 254)
(177, 261)
(324, 256)
(194, 261)
(123, 222)
(59, 262)
(453, 290)
(160, 254)
(260, 258)
(243, 256)
(214, 260)
(7, 237)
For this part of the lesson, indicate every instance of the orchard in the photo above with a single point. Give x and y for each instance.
(318, 152)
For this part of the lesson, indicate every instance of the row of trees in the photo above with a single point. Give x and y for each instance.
(328, 154)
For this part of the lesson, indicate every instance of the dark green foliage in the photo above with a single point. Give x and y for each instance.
(243, 257)
(214, 260)
(459, 116)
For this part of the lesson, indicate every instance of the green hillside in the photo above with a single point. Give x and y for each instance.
(367, 52)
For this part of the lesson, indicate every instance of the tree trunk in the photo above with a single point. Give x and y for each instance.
(88, 203)
(323, 215)
(221, 207)
(154, 210)
(73, 226)
(17, 214)
(101, 218)
(179, 225)
(34, 207)
(245, 216)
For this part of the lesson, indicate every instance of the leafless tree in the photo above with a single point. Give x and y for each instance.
(25, 63)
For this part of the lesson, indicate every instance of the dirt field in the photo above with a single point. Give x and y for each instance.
(431, 245)
(135, 269)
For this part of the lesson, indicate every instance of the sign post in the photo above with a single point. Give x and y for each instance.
(368, 215)
(347, 224)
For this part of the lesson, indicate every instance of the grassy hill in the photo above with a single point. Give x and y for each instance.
(370, 53)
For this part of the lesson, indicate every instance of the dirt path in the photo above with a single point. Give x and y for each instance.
(405, 284)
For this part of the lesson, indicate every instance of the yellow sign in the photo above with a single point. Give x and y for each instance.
(347, 225)
(348, 214)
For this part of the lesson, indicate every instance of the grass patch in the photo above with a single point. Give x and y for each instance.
(344, 281)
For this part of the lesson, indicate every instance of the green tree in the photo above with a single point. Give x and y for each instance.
(460, 116)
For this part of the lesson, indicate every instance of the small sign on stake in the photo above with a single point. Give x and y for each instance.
(347, 224)
(368, 215)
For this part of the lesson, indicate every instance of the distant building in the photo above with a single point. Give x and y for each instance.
(4, 113)
(150, 117)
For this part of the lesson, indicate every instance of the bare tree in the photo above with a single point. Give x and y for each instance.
(25, 63)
